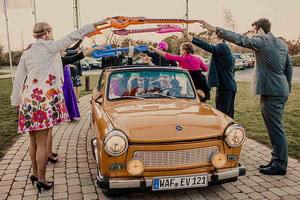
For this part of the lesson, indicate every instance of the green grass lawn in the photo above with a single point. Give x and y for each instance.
(8, 117)
(247, 113)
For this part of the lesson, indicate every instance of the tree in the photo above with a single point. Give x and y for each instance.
(1, 54)
(229, 22)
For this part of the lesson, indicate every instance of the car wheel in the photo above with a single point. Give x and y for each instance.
(111, 192)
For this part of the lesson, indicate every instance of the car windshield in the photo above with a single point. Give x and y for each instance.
(149, 84)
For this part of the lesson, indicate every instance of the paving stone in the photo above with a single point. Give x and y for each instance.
(278, 191)
(245, 188)
(88, 189)
(32, 197)
(30, 192)
(73, 181)
(74, 189)
(259, 188)
(90, 196)
(224, 195)
(61, 195)
(60, 188)
(230, 188)
(270, 195)
(6, 183)
(240, 196)
(5, 189)
(3, 196)
(14, 192)
(14, 197)
(255, 195)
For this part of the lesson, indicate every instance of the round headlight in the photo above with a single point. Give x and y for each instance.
(115, 143)
(235, 135)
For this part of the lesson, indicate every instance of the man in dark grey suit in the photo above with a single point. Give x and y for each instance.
(272, 80)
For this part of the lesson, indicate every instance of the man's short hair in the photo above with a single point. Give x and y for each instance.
(264, 24)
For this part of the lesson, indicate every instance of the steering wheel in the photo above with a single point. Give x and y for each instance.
(173, 93)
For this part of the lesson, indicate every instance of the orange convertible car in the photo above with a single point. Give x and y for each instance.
(151, 131)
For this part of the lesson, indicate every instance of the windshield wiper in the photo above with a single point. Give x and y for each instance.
(130, 97)
(164, 95)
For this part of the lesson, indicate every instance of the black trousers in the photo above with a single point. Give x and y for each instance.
(225, 101)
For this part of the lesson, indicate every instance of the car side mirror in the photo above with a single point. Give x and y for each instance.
(98, 98)
(201, 94)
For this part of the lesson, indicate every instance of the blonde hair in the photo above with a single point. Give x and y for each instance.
(40, 29)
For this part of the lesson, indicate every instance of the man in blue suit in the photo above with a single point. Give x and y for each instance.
(221, 72)
(272, 80)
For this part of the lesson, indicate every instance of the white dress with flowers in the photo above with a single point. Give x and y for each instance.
(41, 98)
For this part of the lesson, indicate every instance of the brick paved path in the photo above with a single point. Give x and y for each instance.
(74, 174)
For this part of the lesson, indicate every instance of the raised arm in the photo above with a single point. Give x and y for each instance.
(161, 53)
(71, 59)
(57, 45)
(201, 44)
(206, 46)
(18, 82)
(75, 46)
(252, 43)
(289, 71)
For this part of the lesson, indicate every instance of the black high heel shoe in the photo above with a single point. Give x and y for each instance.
(33, 179)
(52, 160)
(41, 185)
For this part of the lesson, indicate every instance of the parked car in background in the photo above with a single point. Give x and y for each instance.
(150, 130)
(248, 60)
(252, 58)
(239, 62)
(93, 63)
(85, 66)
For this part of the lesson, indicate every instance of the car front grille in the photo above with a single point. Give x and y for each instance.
(176, 157)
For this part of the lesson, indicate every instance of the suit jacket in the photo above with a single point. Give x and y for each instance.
(273, 70)
(221, 69)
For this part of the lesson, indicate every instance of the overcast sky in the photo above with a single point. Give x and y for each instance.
(284, 16)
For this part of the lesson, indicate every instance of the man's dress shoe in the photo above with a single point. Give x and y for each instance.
(272, 171)
(267, 165)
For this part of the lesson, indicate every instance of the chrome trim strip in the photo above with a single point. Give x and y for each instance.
(136, 183)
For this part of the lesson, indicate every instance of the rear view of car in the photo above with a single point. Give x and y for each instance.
(239, 63)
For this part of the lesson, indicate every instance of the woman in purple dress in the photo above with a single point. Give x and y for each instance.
(69, 94)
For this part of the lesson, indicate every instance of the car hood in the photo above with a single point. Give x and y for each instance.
(167, 121)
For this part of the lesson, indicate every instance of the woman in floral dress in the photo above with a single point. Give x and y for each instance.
(41, 101)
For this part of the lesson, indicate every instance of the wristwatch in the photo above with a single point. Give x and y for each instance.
(218, 29)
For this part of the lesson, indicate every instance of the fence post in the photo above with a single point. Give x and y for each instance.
(87, 83)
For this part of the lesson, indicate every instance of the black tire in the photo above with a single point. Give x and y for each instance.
(111, 192)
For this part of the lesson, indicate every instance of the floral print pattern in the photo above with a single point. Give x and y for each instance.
(43, 110)
(51, 80)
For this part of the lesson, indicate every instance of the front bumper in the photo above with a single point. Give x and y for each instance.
(223, 176)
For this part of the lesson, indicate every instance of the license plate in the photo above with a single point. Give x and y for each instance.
(170, 183)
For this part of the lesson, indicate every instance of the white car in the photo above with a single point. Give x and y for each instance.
(85, 66)
(239, 62)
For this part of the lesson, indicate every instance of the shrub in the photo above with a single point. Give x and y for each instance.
(295, 60)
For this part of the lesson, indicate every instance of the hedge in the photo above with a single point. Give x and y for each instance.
(295, 60)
